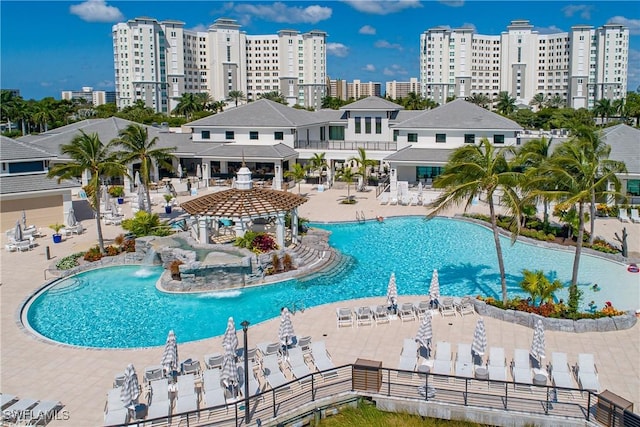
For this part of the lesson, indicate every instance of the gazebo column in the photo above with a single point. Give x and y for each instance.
(203, 229)
(127, 183)
(86, 176)
(280, 229)
(206, 175)
(294, 225)
(277, 177)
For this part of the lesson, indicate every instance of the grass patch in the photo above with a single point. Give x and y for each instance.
(368, 415)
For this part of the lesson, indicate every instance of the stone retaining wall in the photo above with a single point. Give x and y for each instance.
(603, 324)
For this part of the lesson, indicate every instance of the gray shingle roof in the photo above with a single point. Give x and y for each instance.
(11, 149)
(261, 113)
(625, 145)
(458, 114)
(422, 155)
(250, 152)
(372, 103)
(13, 184)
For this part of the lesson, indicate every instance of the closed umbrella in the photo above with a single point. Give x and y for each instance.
(142, 198)
(286, 333)
(425, 333)
(199, 171)
(179, 170)
(479, 345)
(392, 290)
(229, 374)
(105, 197)
(71, 218)
(170, 354)
(130, 387)
(136, 179)
(537, 344)
(17, 232)
(230, 338)
(434, 288)
(24, 219)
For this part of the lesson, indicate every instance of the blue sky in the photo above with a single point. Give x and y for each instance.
(50, 46)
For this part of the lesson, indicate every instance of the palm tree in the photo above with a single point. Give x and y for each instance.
(556, 101)
(136, 147)
(413, 101)
(506, 104)
(298, 173)
(274, 96)
(43, 116)
(204, 99)
(538, 101)
(89, 154)
(363, 163)
(474, 170)
(236, 95)
(188, 104)
(318, 163)
(604, 109)
(480, 100)
(347, 175)
(536, 284)
(532, 156)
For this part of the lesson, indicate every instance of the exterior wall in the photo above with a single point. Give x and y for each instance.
(266, 136)
(41, 211)
(350, 130)
(454, 138)
(225, 57)
(396, 90)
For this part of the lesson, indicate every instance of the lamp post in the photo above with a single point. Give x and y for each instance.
(245, 327)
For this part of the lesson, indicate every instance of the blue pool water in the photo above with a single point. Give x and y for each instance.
(119, 307)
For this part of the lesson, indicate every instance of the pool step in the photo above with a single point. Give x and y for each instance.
(66, 286)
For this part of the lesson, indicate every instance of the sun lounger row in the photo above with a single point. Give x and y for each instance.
(623, 215)
(361, 316)
(27, 411)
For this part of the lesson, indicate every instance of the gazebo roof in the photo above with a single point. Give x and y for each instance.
(235, 203)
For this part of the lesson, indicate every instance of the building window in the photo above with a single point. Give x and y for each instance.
(205, 134)
(498, 139)
(358, 125)
(229, 134)
(395, 135)
(441, 137)
(253, 135)
(336, 133)
(378, 125)
(278, 136)
(469, 138)
(412, 137)
(367, 125)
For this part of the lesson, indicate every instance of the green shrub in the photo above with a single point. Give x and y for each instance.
(70, 261)
(147, 224)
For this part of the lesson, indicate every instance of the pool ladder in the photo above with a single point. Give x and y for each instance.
(298, 306)
(360, 217)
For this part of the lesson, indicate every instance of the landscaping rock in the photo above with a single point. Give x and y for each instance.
(585, 325)
(508, 315)
(605, 324)
(522, 318)
(626, 321)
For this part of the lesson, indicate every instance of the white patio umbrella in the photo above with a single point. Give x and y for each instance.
(434, 288)
(286, 333)
(479, 344)
(136, 179)
(538, 344)
(170, 354)
(199, 171)
(71, 218)
(24, 219)
(425, 331)
(130, 387)
(106, 198)
(392, 290)
(230, 338)
(142, 198)
(179, 172)
(229, 374)
(17, 232)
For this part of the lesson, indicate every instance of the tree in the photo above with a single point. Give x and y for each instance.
(538, 101)
(556, 101)
(603, 109)
(274, 96)
(347, 175)
(89, 154)
(43, 116)
(318, 163)
(136, 147)
(298, 173)
(363, 163)
(204, 99)
(506, 104)
(475, 170)
(633, 106)
(333, 102)
(532, 157)
(236, 95)
(189, 103)
(413, 101)
(480, 99)
(538, 286)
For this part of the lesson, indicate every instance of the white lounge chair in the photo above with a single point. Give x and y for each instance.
(497, 364)
(623, 216)
(212, 390)
(384, 198)
(442, 362)
(43, 412)
(187, 399)
(214, 360)
(114, 412)
(560, 371)
(465, 306)
(364, 315)
(7, 400)
(422, 308)
(407, 363)
(380, 314)
(635, 216)
(159, 402)
(322, 359)
(272, 372)
(464, 361)
(297, 365)
(447, 308)
(268, 349)
(305, 344)
(414, 200)
(406, 312)
(409, 347)
(587, 373)
(152, 373)
(344, 317)
(254, 386)
(521, 367)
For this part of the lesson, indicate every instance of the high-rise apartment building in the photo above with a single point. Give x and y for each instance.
(353, 90)
(581, 66)
(396, 90)
(90, 96)
(158, 61)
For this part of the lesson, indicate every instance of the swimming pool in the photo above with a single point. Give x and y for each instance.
(99, 308)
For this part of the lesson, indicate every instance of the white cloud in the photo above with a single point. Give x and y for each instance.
(633, 71)
(583, 9)
(369, 67)
(383, 44)
(337, 49)
(383, 7)
(452, 3)
(45, 84)
(394, 70)
(548, 30)
(632, 24)
(368, 30)
(280, 12)
(96, 11)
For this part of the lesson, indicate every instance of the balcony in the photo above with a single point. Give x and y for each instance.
(346, 145)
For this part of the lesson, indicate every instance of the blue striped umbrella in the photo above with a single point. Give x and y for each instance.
(537, 344)
(425, 331)
(229, 372)
(230, 338)
(392, 290)
(479, 345)
(170, 354)
(285, 333)
(130, 387)
(434, 289)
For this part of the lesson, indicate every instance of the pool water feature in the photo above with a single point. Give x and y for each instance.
(98, 311)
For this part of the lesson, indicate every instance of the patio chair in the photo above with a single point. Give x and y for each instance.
(344, 317)
(304, 343)
(267, 349)
(422, 308)
(447, 308)
(7, 400)
(407, 363)
(251, 354)
(322, 359)
(297, 366)
(17, 411)
(464, 361)
(560, 371)
(212, 390)
(43, 412)
(254, 387)
(272, 372)
(115, 412)
(442, 362)
(406, 312)
(465, 306)
(364, 316)
(152, 373)
(623, 216)
(159, 402)
(587, 373)
(414, 200)
(497, 364)
(214, 360)
(635, 217)
(186, 397)
(190, 366)
(409, 347)
(384, 198)
(521, 367)
(380, 314)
